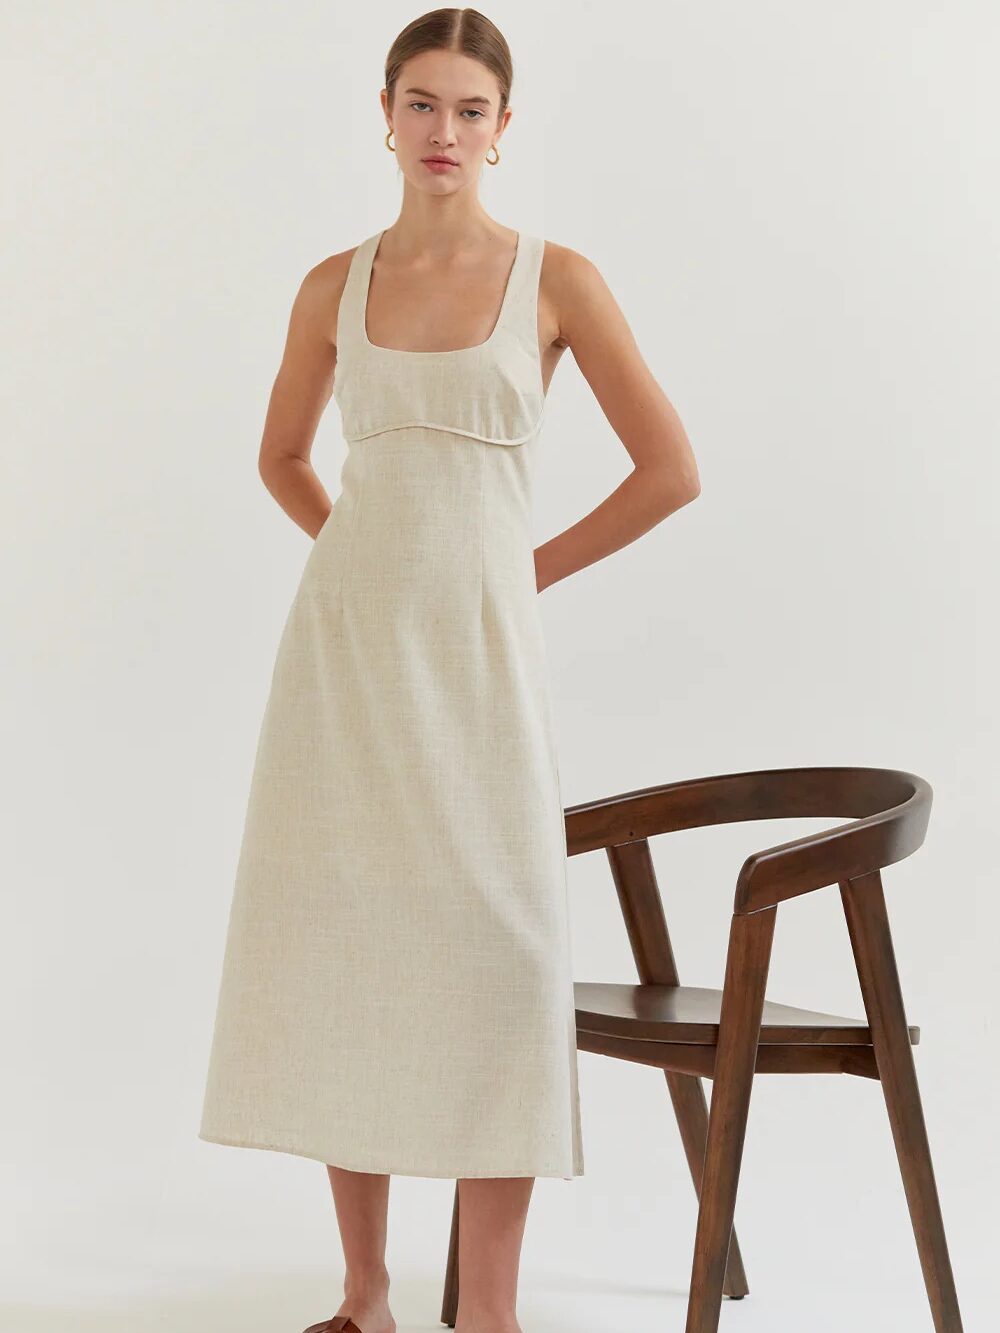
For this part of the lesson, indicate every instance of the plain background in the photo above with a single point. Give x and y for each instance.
(795, 205)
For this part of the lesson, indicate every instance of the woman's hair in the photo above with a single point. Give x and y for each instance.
(464, 30)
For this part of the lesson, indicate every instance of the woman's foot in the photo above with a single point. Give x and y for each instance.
(369, 1309)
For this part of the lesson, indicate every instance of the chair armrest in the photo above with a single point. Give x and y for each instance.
(833, 855)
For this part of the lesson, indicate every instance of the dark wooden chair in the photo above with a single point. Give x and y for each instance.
(728, 1036)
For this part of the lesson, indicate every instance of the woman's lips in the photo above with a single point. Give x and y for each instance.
(435, 164)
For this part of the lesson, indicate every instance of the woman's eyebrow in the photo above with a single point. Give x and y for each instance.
(422, 92)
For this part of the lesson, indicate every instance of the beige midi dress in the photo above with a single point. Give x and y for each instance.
(396, 991)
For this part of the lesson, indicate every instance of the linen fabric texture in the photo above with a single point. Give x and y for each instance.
(396, 991)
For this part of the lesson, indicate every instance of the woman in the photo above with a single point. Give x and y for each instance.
(397, 994)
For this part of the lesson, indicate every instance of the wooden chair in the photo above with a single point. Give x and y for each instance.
(691, 1032)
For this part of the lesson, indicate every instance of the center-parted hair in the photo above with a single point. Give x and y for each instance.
(463, 30)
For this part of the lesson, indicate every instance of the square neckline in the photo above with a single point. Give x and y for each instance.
(448, 351)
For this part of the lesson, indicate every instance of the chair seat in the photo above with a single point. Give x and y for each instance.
(691, 1014)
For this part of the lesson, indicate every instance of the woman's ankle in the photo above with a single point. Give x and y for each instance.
(488, 1320)
(367, 1287)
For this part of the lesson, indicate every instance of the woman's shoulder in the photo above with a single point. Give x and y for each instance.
(317, 301)
(322, 287)
(567, 264)
(332, 271)
(571, 286)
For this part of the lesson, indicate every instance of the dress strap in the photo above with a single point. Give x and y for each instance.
(351, 315)
(519, 315)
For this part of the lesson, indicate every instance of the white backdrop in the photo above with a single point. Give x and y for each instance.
(795, 205)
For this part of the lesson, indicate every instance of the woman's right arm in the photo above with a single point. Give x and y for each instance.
(301, 391)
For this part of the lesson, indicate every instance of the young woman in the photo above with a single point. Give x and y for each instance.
(397, 995)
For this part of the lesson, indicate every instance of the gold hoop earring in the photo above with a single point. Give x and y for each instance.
(391, 147)
(497, 158)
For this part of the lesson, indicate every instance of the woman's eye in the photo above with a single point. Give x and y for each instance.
(477, 114)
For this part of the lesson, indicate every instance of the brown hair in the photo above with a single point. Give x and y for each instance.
(464, 30)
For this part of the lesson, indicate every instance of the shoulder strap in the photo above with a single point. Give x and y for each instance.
(520, 311)
(350, 316)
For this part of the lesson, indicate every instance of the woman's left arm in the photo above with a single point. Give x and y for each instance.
(664, 476)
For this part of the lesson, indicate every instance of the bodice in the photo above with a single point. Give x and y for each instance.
(491, 392)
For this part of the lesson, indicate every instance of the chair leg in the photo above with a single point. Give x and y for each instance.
(871, 940)
(687, 1092)
(642, 908)
(747, 964)
(449, 1305)
(688, 1096)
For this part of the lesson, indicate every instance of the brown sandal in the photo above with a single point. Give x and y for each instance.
(340, 1323)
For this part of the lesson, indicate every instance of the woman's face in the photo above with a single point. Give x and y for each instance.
(445, 106)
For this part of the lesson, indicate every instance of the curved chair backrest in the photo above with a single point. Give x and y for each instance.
(888, 808)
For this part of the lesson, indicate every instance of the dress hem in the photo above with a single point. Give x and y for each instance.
(391, 1170)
